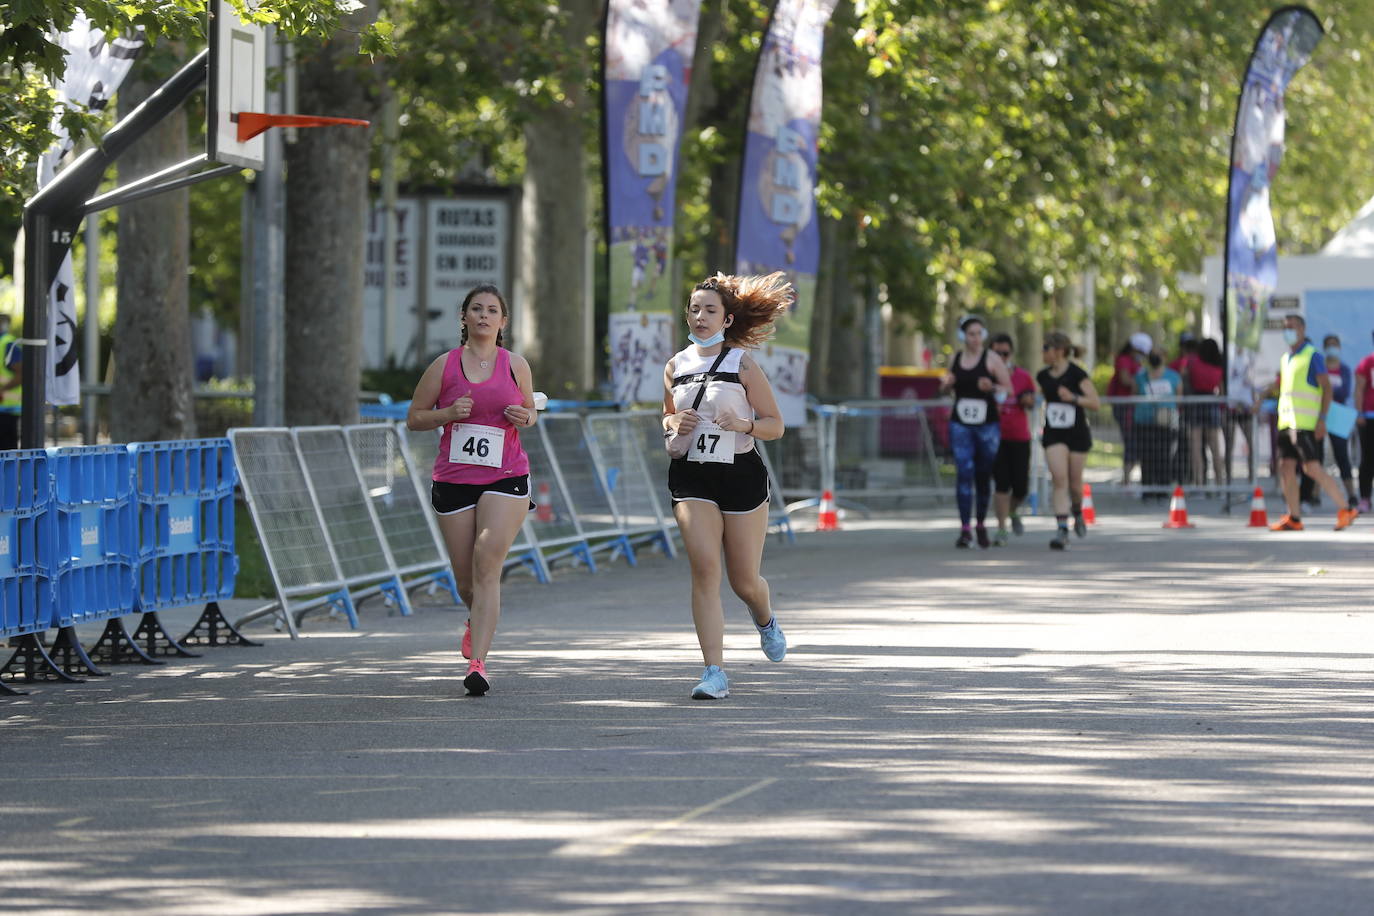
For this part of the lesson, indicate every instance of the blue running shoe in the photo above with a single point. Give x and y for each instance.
(773, 642)
(714, 685)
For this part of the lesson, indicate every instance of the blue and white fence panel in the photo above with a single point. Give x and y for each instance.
(185, 500)
(26, 543)
(96, 536)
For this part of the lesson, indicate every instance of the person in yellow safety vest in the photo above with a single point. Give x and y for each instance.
(11, 396)
(1304, 396)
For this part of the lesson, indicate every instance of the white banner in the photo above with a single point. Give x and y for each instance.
(95, 68)
(405, 298)
(465, 246)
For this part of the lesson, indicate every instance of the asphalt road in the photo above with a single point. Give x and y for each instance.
(1154, 722)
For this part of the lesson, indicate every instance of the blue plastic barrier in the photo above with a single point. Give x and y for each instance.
(185, 529)
(26, 544)
(96, 540)
(384, 409)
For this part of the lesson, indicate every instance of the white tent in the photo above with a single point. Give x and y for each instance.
(1333, 290)
(1356, 238)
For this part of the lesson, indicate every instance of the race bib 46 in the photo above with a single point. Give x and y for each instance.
(473, 443)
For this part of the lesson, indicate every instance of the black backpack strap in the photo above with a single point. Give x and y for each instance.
(701, 392)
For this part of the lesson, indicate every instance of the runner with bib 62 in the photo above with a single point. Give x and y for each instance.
(980, 383)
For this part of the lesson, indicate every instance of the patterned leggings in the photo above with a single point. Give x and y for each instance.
(975, 452)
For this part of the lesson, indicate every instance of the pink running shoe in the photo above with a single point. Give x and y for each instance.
(476, 681)
(467, 639)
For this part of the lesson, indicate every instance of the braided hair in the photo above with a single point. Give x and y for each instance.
(462, 310)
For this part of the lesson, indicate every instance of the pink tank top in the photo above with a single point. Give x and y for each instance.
(474, 458)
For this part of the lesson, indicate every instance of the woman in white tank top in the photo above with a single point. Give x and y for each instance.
(716, 402)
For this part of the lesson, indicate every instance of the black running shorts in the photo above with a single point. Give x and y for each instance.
(448, 498)
(1011, 470)
(737, 488)
(1300, 445)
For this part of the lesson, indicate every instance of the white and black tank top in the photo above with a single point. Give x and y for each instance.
(724, 391)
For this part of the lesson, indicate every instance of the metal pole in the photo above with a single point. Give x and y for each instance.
(390, 131)
(268, 271)
(33, 374)
(90, 330)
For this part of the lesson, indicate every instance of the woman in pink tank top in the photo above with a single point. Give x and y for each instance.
(480, 395)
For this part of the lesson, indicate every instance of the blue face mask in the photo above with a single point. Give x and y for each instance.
(711, 341)
(1290, 336)
(1333, 352)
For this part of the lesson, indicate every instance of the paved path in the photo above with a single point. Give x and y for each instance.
(1153, 723)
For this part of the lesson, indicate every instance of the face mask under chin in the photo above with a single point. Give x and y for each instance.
(711, 341)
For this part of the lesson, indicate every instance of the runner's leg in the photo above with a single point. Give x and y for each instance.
(459, 529)
(702, 530)
(744, 537)
(498, 522)
(961, 443)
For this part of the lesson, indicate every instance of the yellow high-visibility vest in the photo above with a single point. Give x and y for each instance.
(1300, 402)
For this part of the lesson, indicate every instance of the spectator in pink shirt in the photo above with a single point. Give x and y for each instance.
(1202, 375)
(1011, 471)
(1127, 364)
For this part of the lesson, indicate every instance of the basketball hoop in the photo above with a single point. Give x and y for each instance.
(252, 123)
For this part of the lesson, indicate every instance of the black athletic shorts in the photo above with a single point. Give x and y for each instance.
(1301, 445)
(737, 488)
(1011, 470)
(448, 498)
(1078, 440)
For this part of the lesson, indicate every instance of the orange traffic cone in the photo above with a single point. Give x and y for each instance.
(543, 503)
(1259, 517)
(1089, 513)
(1178, 511)
(827, 519)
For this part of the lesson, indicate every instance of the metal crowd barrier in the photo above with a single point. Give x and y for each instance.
(334, 534)
(408, 528)
(641, 500)
(96, 533)
(1145, 446)
(889, 455)
(26, 545)
(569, 453)
(184, 490)
(300, 557)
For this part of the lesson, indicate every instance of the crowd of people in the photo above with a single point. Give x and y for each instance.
(1173, 424)
(1169, 441)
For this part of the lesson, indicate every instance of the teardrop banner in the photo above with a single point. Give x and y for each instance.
(647, 68)
(776, 227)
(1283, 47)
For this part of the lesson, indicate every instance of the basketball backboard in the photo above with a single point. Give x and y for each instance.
(237, 83)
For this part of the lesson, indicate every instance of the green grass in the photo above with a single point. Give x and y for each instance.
(253, 580)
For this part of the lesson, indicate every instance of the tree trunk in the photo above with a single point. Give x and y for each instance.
(840, 340)
(326, 205)
(554, 329)
(151, 397)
